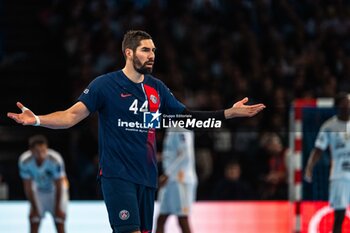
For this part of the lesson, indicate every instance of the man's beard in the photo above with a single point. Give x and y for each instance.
(141, 68)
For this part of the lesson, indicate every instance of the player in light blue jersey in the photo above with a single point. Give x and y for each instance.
(335, 135)
(45, 184)
(179, 181)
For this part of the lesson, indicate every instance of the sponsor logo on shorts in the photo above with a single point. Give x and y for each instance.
(124, 214)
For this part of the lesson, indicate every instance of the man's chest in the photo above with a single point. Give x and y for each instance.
(131, 102)
(42, 174)
(340, 140)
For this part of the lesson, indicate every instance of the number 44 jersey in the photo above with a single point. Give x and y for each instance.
(128, 114)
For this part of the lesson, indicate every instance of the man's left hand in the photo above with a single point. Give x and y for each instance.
(239, 109)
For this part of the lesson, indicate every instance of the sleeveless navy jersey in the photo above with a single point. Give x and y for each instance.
(128, 115)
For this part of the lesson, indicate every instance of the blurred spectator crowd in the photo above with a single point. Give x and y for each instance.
(211, 53)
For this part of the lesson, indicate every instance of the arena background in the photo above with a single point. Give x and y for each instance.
(210, 53)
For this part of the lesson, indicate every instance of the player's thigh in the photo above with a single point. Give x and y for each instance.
(187, 197)
(64, 200)
(49, 201)
(45, 202)
(146, 197)
(339, 194)
(177, 198)
(167, 198)
(122, 204)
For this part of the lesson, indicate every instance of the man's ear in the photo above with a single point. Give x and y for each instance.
(128, 53)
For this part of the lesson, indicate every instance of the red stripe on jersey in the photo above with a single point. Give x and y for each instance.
(152, 97)
(153, 103)
(151, 145)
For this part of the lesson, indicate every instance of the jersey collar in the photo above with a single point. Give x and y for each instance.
(129, 86)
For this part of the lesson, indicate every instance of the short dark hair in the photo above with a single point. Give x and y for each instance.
(37, 140)
(340, 97)
(132, 39)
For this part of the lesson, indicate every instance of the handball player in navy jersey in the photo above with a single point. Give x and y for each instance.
(129, 103)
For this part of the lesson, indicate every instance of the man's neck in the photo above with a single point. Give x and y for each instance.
(133, 75)
(39, 162)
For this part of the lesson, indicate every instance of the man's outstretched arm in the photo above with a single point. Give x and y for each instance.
(56, 120)
(239, 109)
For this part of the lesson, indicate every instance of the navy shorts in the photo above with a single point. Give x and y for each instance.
(130, 206)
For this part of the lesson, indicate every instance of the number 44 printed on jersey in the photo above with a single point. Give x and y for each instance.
(150, 119)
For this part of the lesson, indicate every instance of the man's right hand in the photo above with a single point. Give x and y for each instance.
(27, 117)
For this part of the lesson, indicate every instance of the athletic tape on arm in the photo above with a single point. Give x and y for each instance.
(37, 119)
